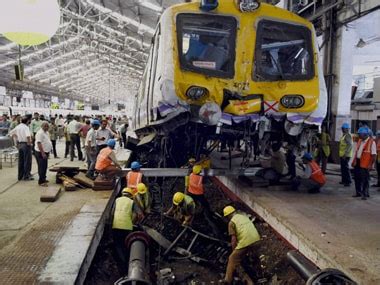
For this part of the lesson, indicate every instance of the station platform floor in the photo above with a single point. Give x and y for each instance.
(331, 228)
(40, 241)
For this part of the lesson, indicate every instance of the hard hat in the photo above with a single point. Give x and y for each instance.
(192, 159)
(228, 210)
(141, 188)
(111, 143)
(197, 169)
(135, 165)
(127, 190)
(307, 156)
(345, 126)
(95, 123)
(363, 131)
(178, 198)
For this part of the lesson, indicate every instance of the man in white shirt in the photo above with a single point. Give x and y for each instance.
(73, 129)
(42, 149)
(365, 156)
(90, 144)
(24, 143)
(103, 135)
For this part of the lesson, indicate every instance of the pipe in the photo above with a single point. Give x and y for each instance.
(300, 264)
(138, 266)
(313, 275)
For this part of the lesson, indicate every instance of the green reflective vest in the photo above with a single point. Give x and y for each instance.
(246, 232)
(143, 200)
(122, 218)
(188, 206)
(343, 146)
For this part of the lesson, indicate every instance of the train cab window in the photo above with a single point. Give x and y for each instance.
(283, 52)
(206, 44)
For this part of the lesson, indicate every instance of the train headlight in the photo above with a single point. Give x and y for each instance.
(196, 92)
(292, 101)
(208, 5)
(248, 5)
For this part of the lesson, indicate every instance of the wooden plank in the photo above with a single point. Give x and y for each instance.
(103, 184)
(69, 186)
(50, 194)
(81, 178)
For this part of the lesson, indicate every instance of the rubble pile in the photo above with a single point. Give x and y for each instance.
(183, 255)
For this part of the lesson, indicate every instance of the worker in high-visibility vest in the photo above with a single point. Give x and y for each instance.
(377, 159)
(190, 164)
(196, 189)
(124, 216)
(243, 237)
(135, 176)
(323, 150)
(312, 179)
(364, 157)
(106, 162)
(183, 208)
(143, 200)
(345, 154)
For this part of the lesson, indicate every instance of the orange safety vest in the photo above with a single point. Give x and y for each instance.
(196, 184)
(378, 150)
(133, 178)
(316, 173)
(366, 158)
(103, 160)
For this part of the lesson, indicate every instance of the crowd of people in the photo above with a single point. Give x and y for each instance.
(84, 139)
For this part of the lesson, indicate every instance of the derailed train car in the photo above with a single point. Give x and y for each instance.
(231, 69)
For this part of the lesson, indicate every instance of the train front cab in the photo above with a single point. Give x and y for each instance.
(247, 63)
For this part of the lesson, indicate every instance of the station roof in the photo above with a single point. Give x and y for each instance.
(98, 53)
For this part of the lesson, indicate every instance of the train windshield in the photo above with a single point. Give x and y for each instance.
(206, 44)
(283, 52)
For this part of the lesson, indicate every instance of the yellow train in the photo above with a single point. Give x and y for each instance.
(229, 65)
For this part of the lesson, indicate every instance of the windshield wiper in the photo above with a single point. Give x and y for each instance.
(277, 66)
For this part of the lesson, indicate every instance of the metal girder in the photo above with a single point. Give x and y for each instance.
(181, 172)
(121, 18)
(38, 52)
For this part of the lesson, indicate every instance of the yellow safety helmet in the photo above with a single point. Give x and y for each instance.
(127, 190)
(197, 169)
(228, 210)
(178, 198)
(141, 188)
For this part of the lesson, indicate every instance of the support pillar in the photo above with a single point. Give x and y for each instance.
(342, 69)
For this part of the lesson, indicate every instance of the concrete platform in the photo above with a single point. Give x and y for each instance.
(330, 228)
(34, 236)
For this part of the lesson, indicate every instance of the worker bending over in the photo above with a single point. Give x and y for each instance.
(243, 236)
(143, 200)
(183, 208)
(135, 176)
(365, 156)
(106, 162)
(312, 179)
(124, 216)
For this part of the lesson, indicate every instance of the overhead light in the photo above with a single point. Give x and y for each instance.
(361, 43)
(29, 22)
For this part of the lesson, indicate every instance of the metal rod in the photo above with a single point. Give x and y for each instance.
(175, 242)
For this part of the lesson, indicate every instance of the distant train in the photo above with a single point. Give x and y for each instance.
(14, 110)
(230, 69)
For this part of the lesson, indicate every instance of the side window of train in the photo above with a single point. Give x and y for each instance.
(206, 44)
(155, 68)
(283, 51)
